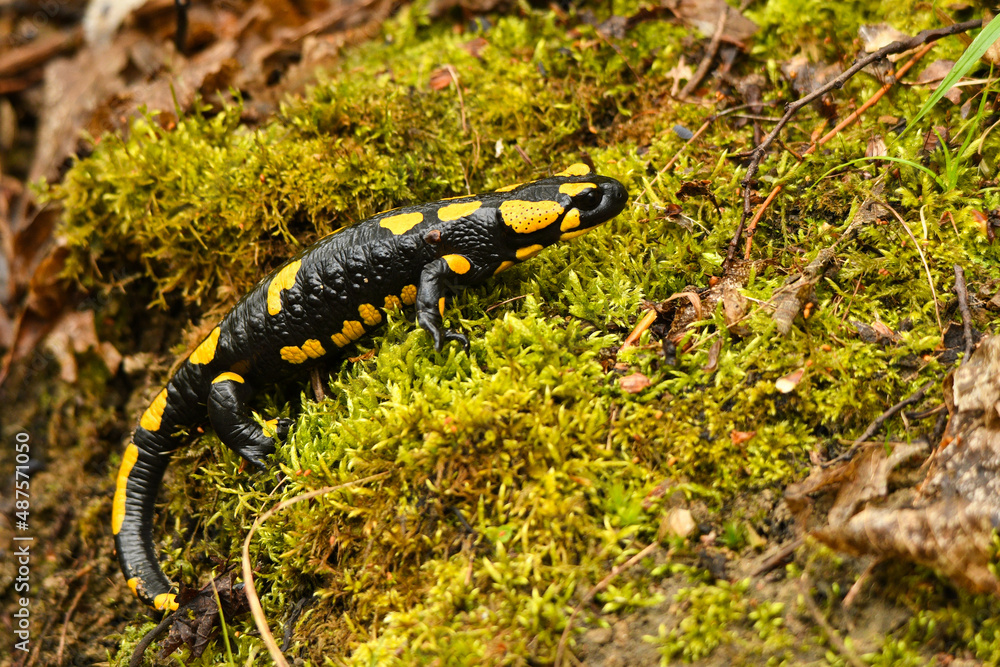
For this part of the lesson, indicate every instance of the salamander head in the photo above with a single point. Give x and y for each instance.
(558, 208)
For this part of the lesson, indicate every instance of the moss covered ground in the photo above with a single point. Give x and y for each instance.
(517, 476)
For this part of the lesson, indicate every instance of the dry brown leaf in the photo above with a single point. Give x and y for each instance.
(787, 383)
(441, 78)
(73, 334)
(713, 356)
(876, 147)
(74, 89)
(948, 521)
(475, 47)
(690, 296)
(741, 437)
(704, 15)
(992, 54)
(879, 35)
(634, 383)
(934, 72)
(734, 306)
(806, 76)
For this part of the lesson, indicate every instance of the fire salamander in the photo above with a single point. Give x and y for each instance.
(321, 300)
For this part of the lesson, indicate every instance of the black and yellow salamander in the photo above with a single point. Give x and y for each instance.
(321, 300)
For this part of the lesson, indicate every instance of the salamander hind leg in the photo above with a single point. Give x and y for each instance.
(230, 416)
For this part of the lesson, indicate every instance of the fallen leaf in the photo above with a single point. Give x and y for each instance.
(876, 146)
(704, 15)
(440, 78)
(634, 383)
(713, 356)
(73, 334)
(948, 521)
(741, 437)
(788, 383)
(879, 35)
(475, 47)
(934, 72)
(196, 626)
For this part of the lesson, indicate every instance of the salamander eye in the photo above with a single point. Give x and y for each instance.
(587, 200)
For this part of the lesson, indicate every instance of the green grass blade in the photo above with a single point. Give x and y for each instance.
(969, 58)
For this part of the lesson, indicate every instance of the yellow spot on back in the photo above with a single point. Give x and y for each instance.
(573, 189)
(129, 458)
(353, 329)
(441, 306)
(508, 188)
(528, 252)
(153, 415)
(409, 295)
(205, 352)
(133, 583)
(228, 376)
(572, 235)
(392, 301)
(570, 221)
(271, 428)
(525, 217)
(282, 280)
(456, 211)
(402, 223)
(504, 266)
(165, 601)
(457, 263)
(340, 340)
(310, 349)
(578, 169)
(369, 314)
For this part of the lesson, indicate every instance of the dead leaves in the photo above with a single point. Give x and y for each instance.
(197, 621)
(947, 520)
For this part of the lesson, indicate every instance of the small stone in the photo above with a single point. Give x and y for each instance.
(621, 633)
(598, 636)
(677, 521)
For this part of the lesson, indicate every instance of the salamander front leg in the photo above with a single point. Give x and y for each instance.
(430, 304)
(229, 414)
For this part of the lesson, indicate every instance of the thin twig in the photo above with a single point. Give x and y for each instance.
(710, 53)
(505, 302)
(792, 108)
(853, 116)
(69, 615)
(600, 586)
(252, 599)
(148, 639)
(831, 633)
(857, 586)
(877, 424)
(963, 307)
(778, 558)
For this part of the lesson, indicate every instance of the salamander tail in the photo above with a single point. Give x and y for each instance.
(139, 478)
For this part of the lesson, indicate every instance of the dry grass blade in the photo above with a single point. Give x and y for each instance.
(252, 598)
(923, 260)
